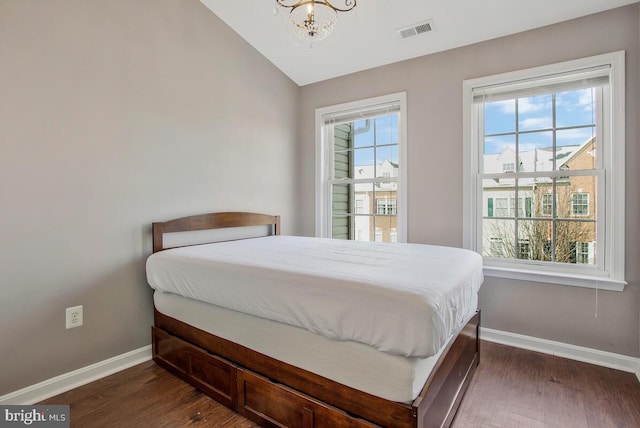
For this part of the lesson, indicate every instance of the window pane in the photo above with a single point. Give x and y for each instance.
(341, 227)
(501, 192)
(497, 144)
(500, 117)
(576, 149)
(362, 228)
(385, 228)
(364, 196)
(523, 204)
(576, 197)
(387, 129)
(538, 235)
(387, 154)
(575, 242)
(498, 238)
(575, 136)
(364, 166)
(341, 198)
(535, 113)
(363, 133)
(575, 108)
(379, 130)
(341, 162)
(536, 151)
(500, 153)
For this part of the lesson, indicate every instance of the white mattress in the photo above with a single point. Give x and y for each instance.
(353, 364)
(404, 299)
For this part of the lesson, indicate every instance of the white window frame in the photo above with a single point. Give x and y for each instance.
(324, 153)
(609, 273)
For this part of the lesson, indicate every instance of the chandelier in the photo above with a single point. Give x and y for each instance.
(314, 20)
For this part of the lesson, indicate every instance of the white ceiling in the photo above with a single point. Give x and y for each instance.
(371, 39)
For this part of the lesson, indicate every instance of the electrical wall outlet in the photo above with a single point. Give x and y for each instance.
(74, 317)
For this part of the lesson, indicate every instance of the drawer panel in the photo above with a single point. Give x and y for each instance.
(170, 350)
(275, 405)
(213, 375)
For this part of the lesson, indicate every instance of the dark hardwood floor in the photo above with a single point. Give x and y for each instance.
(511, 388)
(518, 388)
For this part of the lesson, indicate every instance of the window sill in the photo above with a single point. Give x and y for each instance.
(601, 283)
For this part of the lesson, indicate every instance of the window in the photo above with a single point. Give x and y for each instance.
(360, 149)
(501, 207)
(547, 204)
(386, 206)
(509, 167)
(544, 172)
(582, 253)
(580, 204)
(524, 249)
(506, 207)
(496, 247)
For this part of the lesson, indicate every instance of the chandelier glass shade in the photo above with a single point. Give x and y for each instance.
(314, 20)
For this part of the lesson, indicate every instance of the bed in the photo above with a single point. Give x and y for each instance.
(283, 354)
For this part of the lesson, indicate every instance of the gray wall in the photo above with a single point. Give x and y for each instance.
(114, 114)
(434, 96)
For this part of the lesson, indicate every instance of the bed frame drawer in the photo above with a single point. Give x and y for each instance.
(211, 374)
(268, 403)
(275, 405)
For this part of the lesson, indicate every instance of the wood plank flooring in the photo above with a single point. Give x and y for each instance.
(511, 388)
(518, 388)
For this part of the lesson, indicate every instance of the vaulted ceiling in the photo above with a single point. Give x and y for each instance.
(371, 39)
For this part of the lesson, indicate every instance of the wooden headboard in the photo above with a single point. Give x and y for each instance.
(212, 221)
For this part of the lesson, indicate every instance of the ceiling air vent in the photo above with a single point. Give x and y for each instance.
(415, 29)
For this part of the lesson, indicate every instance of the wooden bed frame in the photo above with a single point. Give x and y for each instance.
(276, 394)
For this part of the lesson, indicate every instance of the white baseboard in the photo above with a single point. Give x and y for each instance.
(565, 350)
(65, 382)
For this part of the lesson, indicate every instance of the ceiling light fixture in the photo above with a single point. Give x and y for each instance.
(314, 20)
